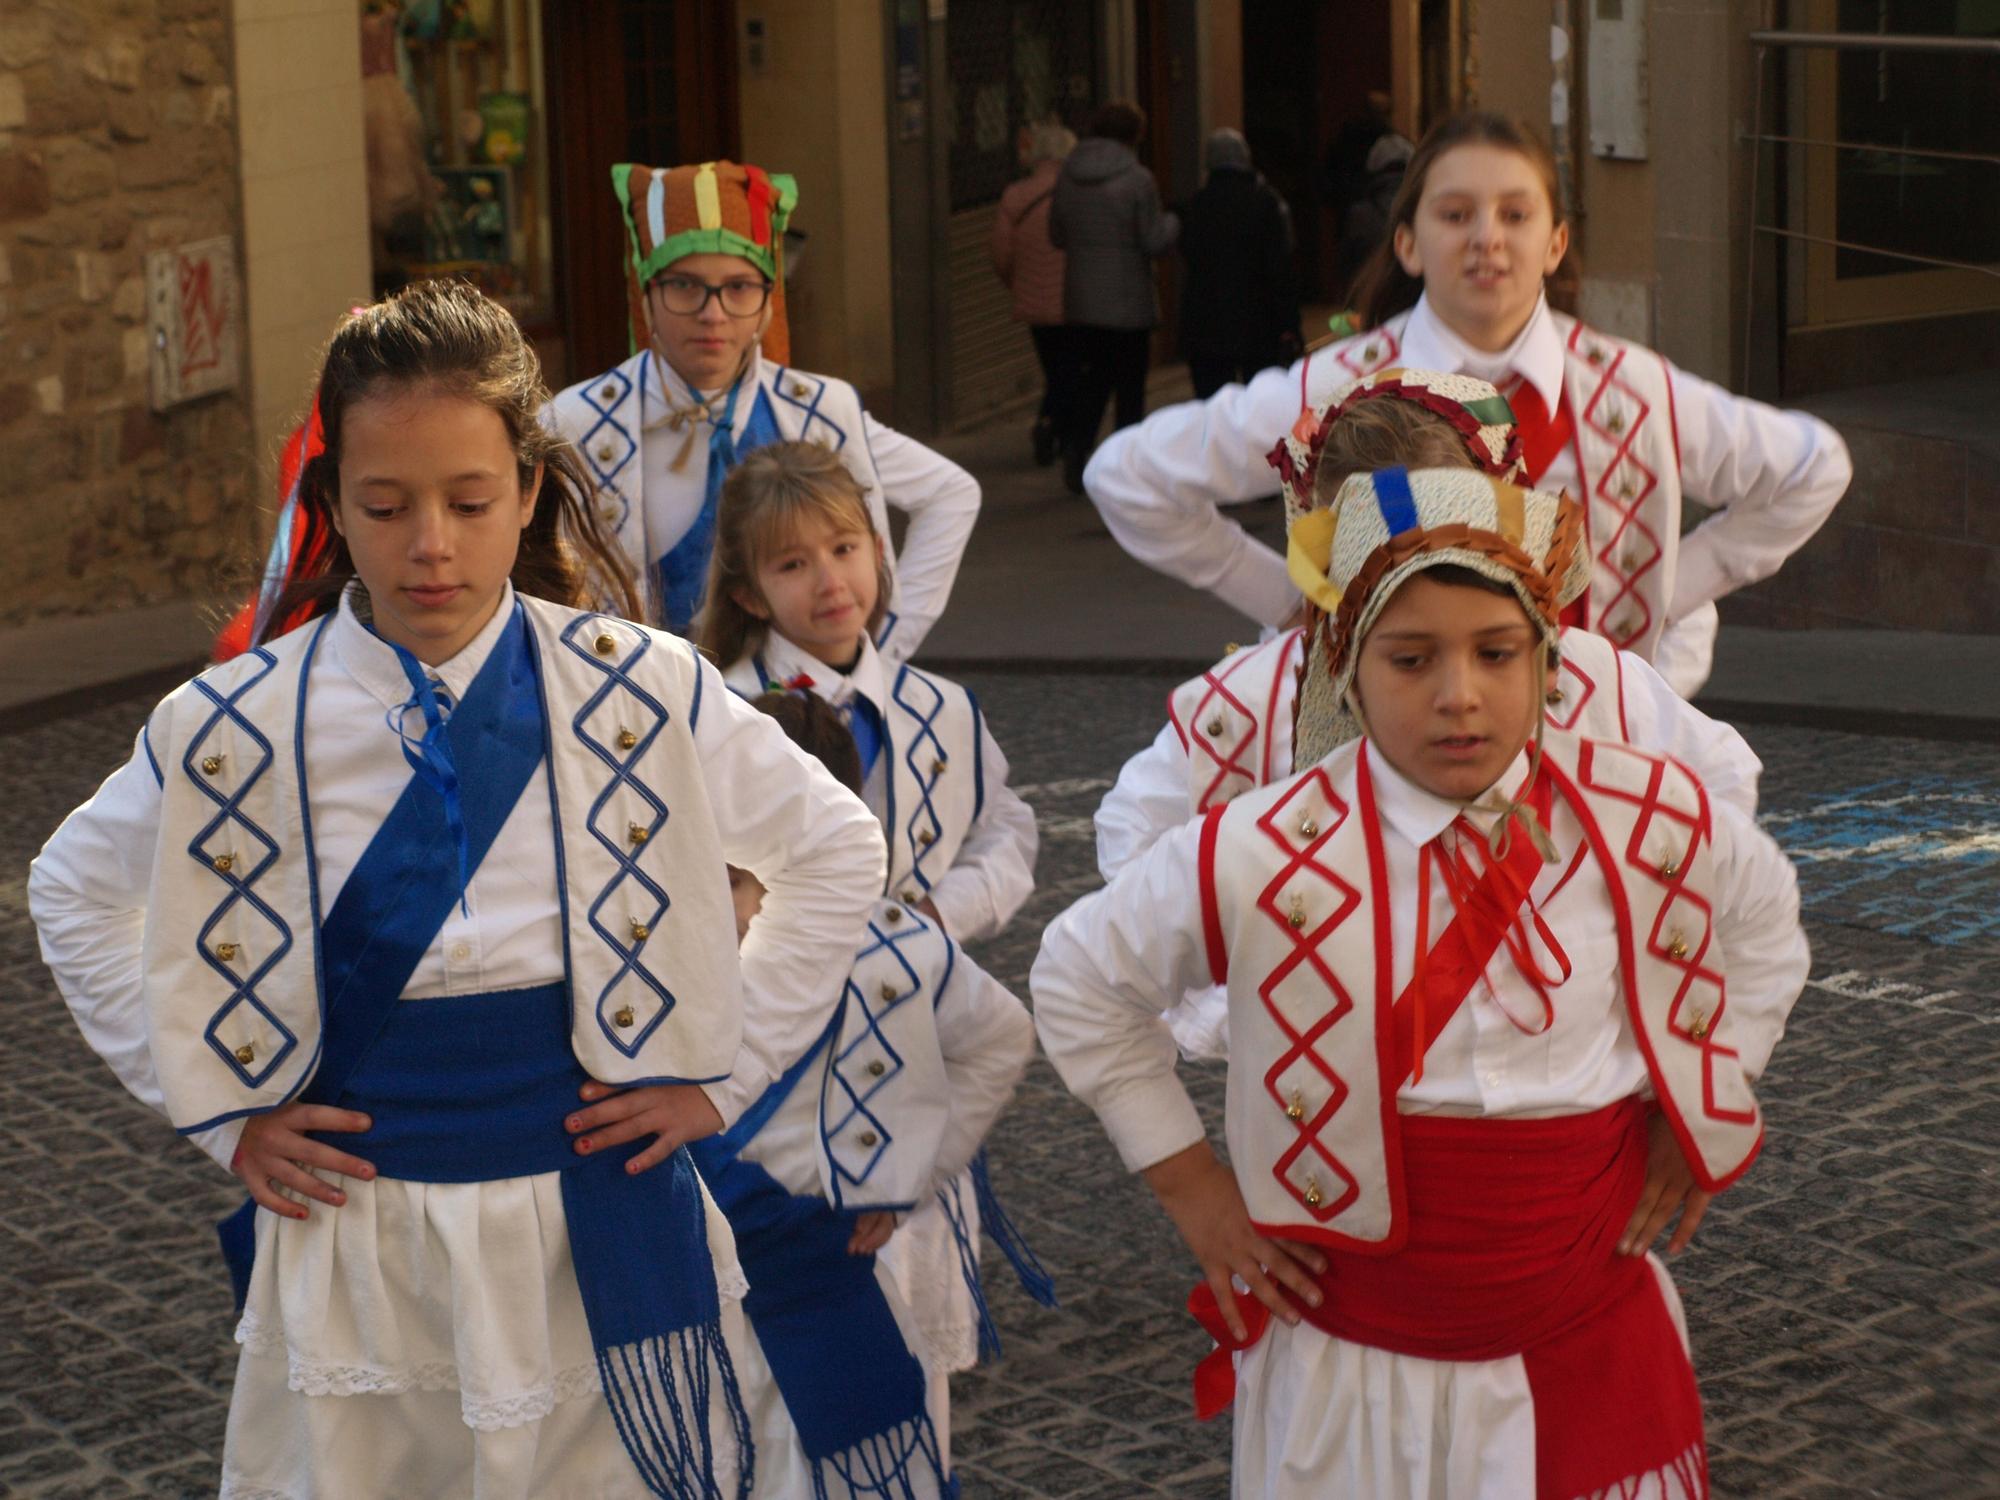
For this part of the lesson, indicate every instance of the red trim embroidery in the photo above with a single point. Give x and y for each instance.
(1292, 641)
(1211, 914)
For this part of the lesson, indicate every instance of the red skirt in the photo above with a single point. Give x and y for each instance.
(1512, 1250)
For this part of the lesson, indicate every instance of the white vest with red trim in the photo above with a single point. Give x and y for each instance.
(1311, 1113)
(1627, 452)
(1235, 720)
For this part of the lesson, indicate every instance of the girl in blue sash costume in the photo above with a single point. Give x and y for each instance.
(888, 1107)
(798, 585)
(416, 917)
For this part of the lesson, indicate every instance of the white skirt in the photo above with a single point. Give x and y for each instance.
(922, 1267)
(428, 1340)
(1317, 1416)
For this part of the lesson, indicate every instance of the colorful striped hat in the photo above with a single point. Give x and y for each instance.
(1382, 529)
(1475, 408)
(713, 208)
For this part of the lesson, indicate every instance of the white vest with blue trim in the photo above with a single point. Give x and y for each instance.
(643, 889)
(1627, 451)
(603, 417)
(861, 1126)
(1295, 919)
(935, 774)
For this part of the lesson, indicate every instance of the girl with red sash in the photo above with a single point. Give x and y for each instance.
(1482, 1046)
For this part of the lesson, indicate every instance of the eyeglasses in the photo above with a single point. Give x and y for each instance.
(741, 298)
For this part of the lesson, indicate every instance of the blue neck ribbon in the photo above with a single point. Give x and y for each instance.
(430, 757)
(683, 568)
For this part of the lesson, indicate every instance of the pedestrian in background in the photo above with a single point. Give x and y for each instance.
(1031, 268)
(1106, 214)
(1240, 301)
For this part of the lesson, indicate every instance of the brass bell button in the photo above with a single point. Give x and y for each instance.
(938, 765)
(636, 834)
(1669, 868)
(877, 1068)
(225, 951)
(1616, 421)
(1314, 1198)
(1596, 355)
(1698, 1028)
(1308, 829)
(801, 389)
(223, 862)
(626, 738)
(608, 393)
(1298, 914)
(893, 914)
(888, 990)
(926, 838)
(605, 644)
(604, 454)
(1555, 695)
(1296, 1110)
(247, 1053)
(608, 514)
(1214, 727)
(868, 1138)
(210, 764)
(640, 931)
(624, 1017)
(1677, 946)
(1372, 353)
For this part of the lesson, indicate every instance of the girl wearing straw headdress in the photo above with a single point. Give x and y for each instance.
(1483, 1044)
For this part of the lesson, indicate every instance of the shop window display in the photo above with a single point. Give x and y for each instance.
(457, 147)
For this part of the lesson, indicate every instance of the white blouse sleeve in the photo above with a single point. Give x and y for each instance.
(986, 1037)
(1108, 967)
(942, 502)
(818, 852)
(1764, 952)
(88, 891)
(994, 872)
(1773, 475)
(1149, 798)
(1658, 719)
(1157, 486)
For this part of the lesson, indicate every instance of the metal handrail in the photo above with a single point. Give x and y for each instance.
(1917, 151)
(1873, 41)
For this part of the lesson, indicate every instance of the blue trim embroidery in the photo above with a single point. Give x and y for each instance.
(874, 1010)
(607, 478)
(926, 731)
(618, 844)
(146, 740)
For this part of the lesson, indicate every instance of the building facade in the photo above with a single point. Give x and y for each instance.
(1801, 222)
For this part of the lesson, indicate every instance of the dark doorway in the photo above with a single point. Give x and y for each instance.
(1308, 69)
(652, 81)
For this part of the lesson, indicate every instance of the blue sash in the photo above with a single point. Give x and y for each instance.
(683, 568)
(475, 1088)
(853, 1390)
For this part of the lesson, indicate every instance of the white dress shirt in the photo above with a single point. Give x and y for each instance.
(994, 870)
(1772, 475)
(1116, 959)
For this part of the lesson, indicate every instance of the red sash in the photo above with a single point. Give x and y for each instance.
(1512, 1250)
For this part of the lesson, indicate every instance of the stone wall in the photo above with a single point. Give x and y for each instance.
(117, 137)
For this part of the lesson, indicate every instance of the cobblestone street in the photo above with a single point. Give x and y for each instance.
(1844, 1300)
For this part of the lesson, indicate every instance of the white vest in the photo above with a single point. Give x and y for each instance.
(862, 1123)
(602, 416)
(653, 992)
(1628, 453)
(934, 770)
(1310, 1006)
(1233, 718)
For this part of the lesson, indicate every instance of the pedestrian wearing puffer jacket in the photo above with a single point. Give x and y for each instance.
(1106, 217)
(1032, 270)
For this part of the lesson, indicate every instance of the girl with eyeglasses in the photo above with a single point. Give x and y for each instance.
(709, 381)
